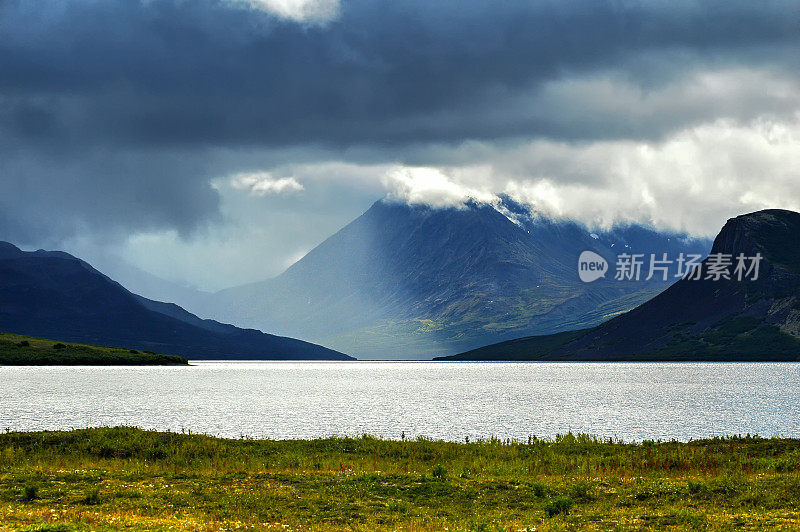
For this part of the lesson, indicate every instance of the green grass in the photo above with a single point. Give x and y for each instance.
(18, 350)
(125, 478)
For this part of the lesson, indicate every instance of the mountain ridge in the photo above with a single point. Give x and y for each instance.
(53, 294)
(697, 319)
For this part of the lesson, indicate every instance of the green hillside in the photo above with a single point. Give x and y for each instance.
(18, 350)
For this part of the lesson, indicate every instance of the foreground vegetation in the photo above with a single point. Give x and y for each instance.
(18, 350)
(126, 478)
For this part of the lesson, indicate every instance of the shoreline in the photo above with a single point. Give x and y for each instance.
(490, 440)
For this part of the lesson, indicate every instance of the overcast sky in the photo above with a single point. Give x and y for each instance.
(213, 142)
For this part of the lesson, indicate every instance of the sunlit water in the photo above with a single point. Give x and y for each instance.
(447, 401)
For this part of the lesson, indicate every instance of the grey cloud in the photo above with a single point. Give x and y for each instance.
(394, 72)
(116, 115)
(48, 196)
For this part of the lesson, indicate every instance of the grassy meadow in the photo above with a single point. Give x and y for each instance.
(19, 350)
(130, 479)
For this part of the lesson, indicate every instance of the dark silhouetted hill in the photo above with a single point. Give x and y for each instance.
(52, 294)
(698, 319)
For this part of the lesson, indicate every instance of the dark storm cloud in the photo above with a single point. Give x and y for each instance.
(47, 196)
(112, 112)
(203, 72)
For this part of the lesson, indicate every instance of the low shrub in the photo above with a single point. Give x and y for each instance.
(581, 491)
(92, 496)
(538, 489)
(439, 471)
(30, 492)
(559, 505)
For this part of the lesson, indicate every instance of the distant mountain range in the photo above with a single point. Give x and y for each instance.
(698, 319)
(414, 281)
(55, 295)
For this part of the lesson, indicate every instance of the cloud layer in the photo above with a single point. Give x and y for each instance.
(692, 180)
(311, 11)
(262, 183)
(125, 121)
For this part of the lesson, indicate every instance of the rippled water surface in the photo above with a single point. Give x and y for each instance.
(448, 401)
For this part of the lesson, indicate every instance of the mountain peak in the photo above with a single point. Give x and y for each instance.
(515, 212)
(774, 233)
(413, 280)
(9, 250)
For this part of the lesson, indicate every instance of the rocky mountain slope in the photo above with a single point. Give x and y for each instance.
(414, 281)
(702, 317)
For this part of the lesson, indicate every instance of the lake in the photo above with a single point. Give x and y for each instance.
(439, 400)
